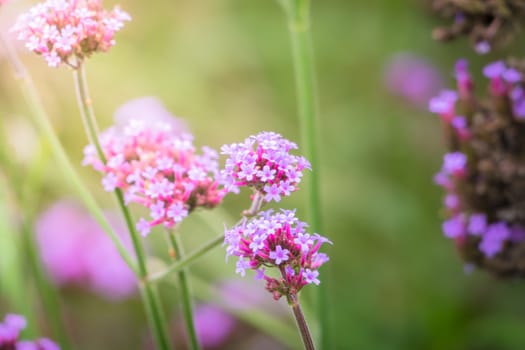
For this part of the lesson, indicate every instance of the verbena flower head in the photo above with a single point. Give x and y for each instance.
(264, 163)
(10, 330)
(67, 32)
(76, 250)
(277, 240)
(157, 166)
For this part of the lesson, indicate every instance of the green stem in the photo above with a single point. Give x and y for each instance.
(186, 260)
(41, 120)
(298, 12)
(301, 322)
(49, 295)
(149, 293)
(184, 288)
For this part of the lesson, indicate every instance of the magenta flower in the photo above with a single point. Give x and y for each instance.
(10, 330)
(264, 163)
(212, 325)
(412, 77)
(277, 240)
(66, 32)
(157, 166)
(455, 164)
(75, 250)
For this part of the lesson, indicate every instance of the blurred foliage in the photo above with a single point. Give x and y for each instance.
(225, 66)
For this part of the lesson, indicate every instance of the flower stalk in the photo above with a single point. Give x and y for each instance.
(185, 261)
(184, 289)
(298, 15)
(149, 294)
(301, 322)
(41, 120)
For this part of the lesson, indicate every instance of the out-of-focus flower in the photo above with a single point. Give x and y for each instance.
(10, 330)
(75, 250)
(412, 78)
(487, 24)
(280, 241)
(483, 174)
(67, 32)
(157, 166)
(212, 325)
(264, 163)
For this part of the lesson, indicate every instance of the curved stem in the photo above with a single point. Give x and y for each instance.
(186, 260)
(184, 288)
(298, 13)
(149, 293)
(41, 120)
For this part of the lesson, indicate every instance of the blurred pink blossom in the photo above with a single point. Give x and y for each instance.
(413, 78)
(75, 250)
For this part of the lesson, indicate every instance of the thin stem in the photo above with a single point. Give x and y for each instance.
(298, 13)
(184, 288)
(301, 322)
(41, 120)
(49, 295)
(149, 293)
(185, 261)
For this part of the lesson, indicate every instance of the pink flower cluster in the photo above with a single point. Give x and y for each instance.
(264, 163)
(72, 245)
(277, 240)
(68, 31)
(10, 330)
(157, 166)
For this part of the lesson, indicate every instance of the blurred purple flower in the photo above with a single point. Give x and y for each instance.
(413, 78)
(213, 325)
(149, 109)
(75, 250)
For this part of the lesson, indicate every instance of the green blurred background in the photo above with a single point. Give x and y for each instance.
(394, 281)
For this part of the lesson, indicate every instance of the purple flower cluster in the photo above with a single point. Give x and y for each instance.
(10, 330)
(73, 245)
(277, 240)
(156, 165)
(264, 163)
(65, 31)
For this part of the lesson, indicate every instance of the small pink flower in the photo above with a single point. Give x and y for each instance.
(264, 163)
(277, 240)
(69, 31)
(156, 165)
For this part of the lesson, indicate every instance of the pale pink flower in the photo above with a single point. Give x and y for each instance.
(69, 31)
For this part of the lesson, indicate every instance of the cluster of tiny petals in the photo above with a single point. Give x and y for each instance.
(263, 162)
(10, 330)
(277, 240)
(64, 31)
(158, 167)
